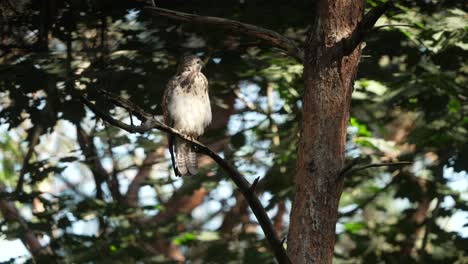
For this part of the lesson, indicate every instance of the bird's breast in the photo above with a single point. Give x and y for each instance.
(191, 112)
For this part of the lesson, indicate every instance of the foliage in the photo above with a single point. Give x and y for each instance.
(409, 104)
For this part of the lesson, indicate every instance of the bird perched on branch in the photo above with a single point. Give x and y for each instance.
(186, 107)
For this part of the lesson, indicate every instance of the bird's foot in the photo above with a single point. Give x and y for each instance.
(195, 147)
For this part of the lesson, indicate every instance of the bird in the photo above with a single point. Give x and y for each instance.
(186, 108)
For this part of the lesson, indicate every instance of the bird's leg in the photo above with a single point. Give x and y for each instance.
(170, 140)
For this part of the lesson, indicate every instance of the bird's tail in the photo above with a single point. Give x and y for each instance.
(186, 158)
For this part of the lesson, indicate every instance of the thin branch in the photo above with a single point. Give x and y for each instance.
(349, 171)
(395, 25)
(149, 123)
(144, 165)
(269, 36)
(376, 165)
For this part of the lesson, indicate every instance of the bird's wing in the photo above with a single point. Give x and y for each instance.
(168, 93)
(205, 82)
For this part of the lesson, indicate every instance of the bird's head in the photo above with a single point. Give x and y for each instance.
(191, 63)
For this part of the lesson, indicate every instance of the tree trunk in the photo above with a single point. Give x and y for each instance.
(329, 78)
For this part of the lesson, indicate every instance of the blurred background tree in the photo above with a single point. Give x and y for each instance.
(75, 189)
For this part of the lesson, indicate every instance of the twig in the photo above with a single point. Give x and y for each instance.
(349, 171)
(254, 184)
(144, 165)
(269, 36)
(149, 123)
(395, 25)
(376, 165)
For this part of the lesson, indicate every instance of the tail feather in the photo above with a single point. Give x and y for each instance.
(182, 150)
(186, 158)
(192, 163)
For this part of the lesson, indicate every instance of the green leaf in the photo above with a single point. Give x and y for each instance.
(454, 105)
(354, 227)
(184, 239)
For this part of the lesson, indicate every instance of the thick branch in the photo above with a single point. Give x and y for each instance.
(269, 36)
(29, 239)
(363, 29)
(235, 176)
(89, 151)
(113, 181)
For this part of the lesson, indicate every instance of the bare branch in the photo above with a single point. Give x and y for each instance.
(349, 171)
(149, 123)
(269, 36)
(395, 25)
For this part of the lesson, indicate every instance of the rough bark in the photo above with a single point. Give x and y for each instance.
(328, 86)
